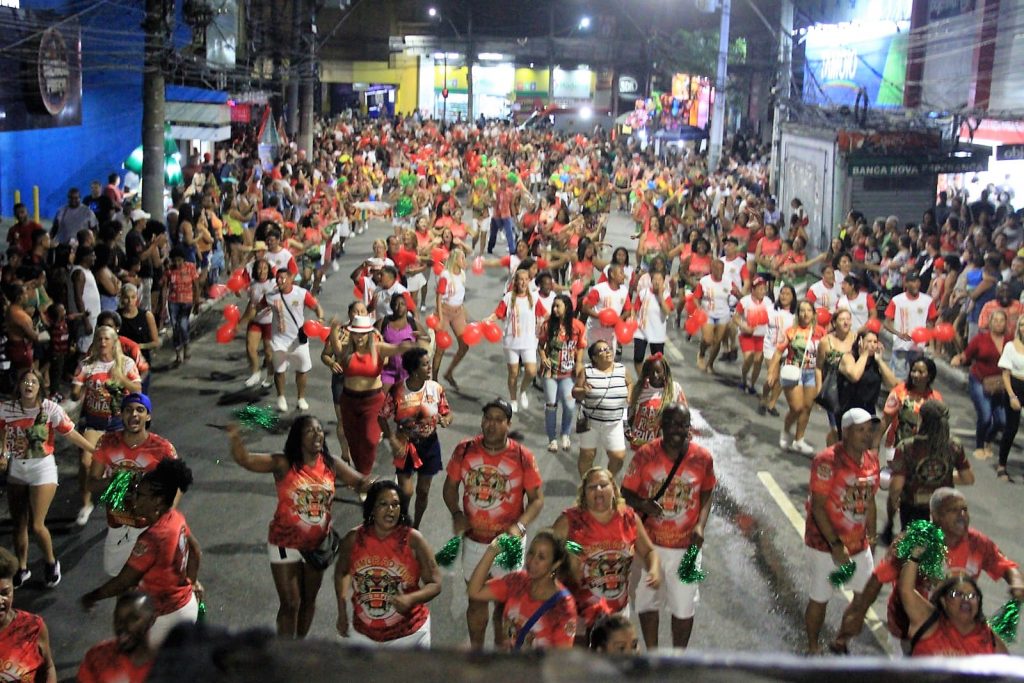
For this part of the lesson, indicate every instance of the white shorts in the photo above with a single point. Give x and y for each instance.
(513, 356)
(416, 282)
(296, 359)
(472, 552)
(166, 622)
(117, 547)
(680, 598)
(822, 565)
(768, 351)
(32, 471)
(418, 640)
(279, 555)
(608, 435)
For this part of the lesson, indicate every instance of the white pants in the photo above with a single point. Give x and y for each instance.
(680, 598)
(166, 622)
(419, 640)
(473, 552)
(822, 565)
(117, 547)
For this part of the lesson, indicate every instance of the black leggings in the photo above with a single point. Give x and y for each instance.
(1012, 422)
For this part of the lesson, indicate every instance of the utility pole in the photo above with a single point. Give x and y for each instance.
(294, 60)
(155, 26)
(308, 71)
(470, 58)
(551, 53)
(718, 113)
(782, 88)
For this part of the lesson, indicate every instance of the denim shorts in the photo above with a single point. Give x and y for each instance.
(807, 379)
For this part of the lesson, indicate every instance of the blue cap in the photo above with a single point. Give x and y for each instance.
(136, 397)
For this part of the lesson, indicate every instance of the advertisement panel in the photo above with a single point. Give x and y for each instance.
(576, 84)
(843, 58)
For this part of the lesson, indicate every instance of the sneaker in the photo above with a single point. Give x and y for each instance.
(515, 407)
(52, 574)
(566, 443)
(801, 446)
(785, 440)
(253, 380)
(20, 577)
(83, 515)
(335, 266)
(524, 401)
(761, 410)
(266, 383)
(282, 404)
(301, 404)
(553, 446)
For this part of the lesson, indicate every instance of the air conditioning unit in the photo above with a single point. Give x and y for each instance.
(706, 5)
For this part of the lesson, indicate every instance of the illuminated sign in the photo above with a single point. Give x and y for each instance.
(628, 85)
(842, 59)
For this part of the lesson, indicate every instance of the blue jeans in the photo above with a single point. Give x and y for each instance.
(510, 237)
(990, 412)
(559, 391)
(179, 323)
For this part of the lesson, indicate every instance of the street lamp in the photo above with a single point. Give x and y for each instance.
(432, 12)
(584, 23)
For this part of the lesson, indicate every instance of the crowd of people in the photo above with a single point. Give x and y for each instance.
(86, 300)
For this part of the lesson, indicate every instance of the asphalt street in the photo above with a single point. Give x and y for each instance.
(753, 598)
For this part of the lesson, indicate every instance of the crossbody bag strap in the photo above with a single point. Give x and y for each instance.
(928, 623)
(290, 314)
(668, 480)
(535, 617)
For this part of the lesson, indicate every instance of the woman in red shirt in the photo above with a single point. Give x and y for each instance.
(540, 612)
(164, 563)
(985, 382)
(24, 641)
(388, 571)
(304, 475)
(951, 624)
(182, 292)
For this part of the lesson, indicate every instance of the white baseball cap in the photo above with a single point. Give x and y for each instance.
(139, 215)
(857, 416)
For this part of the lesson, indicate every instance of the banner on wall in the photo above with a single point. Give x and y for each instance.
(843, 58)
(573, 85)
(42, 84)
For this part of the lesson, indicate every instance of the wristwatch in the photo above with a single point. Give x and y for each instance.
(522, 528)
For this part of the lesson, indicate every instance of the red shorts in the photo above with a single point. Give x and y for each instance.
(751, 344)
(266, 329)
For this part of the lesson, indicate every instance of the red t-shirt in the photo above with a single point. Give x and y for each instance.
(380, 568)
(494, 486)
(681, 500)
(20, 658)
(607, 556)
(161, 554)
(105, 663)
(303, 514)
(180, 280)
(555, 629)
(115, 455)
(947, 641)
(99, 401)
(849, 488)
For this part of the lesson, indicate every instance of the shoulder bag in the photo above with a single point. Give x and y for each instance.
(793, 372)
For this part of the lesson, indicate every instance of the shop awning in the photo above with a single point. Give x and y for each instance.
(197, 114)
(968, 159)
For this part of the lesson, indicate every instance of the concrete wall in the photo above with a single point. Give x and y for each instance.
(808, 173)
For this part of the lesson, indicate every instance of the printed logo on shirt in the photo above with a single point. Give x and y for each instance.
(856, 499)
(677, 500)
(487, 486)
(312, 503)
(377, 585)
(606, 573)
(824, 471)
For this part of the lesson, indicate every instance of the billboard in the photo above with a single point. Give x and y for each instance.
(843, 58)
(42, 63)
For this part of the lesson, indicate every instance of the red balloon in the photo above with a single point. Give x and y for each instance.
(226, 333)
(433, 322)
(701, 316)
(938, 264)
(325, 333)
(944, 332)
(443, 340)
(921, 335)
(608, 317)
(624, 333)
(692, 326)
(874, 325)
(312, 328)
(438, 267)
(218, 290)
(478, 265)
(691, 304)
(437, 254)
(236, 283)
(824, 317)
(492, 332)
(232, 314)
(472, 334)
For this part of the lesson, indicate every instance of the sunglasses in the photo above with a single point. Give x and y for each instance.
(962, 595)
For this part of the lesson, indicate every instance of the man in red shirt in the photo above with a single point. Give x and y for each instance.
(841, 515)
(501, 493)
(670, 482)
(138, 450)
(20, 234)
(127, 657)
(502, 218)
(968, 551)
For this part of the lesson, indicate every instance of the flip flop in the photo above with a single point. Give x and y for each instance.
(1003, 475)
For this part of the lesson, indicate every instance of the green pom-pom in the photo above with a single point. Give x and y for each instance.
(115, 497)
(843, 574)
(408, 180)
(513, 177)
(404, 207)
(1005, 622)
(253, 416)
(574, 548)
(924, 534)
(483, 159)
(511, 555)
(480, 182)
(688, 572)
(449, 552)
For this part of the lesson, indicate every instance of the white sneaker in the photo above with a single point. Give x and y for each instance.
(335, 266)
(282, 404)
(785, 440)
(302, 404)
(266, 383)
(553, 446)
(83, 515)
(253, 380)
(566, 443)
(524, 401)
(515, 407)
(801, 446)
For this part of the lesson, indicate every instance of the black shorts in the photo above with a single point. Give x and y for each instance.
(337, 387)
(640, 349)
(233, 239)
(429, 450)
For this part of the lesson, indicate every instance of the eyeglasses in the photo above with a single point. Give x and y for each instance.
(604, 349)
(962, 595)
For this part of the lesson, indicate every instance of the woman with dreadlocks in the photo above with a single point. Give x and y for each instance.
(653, 391)
(928, 460)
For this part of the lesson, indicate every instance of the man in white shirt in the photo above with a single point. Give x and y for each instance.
(905, 313)
(612, 294)
(71, 218)
(288, 303)
(861, 305)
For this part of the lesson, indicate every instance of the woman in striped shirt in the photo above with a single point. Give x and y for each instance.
(604, 390)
